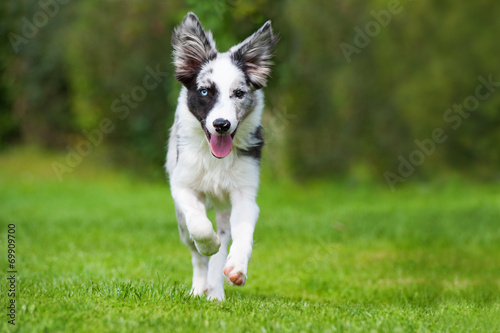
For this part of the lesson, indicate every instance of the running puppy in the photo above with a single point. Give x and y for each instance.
(214, 150)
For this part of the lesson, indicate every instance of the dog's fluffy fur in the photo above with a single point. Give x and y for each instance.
(214, 150)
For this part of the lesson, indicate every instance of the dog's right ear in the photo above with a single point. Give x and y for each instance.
(254, 55)
(192, 48)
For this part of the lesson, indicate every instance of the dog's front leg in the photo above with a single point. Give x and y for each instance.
(192, 206)
(244, 215)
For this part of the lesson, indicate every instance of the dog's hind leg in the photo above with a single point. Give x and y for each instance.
(200, 268)
(200, 262)
(215, 279)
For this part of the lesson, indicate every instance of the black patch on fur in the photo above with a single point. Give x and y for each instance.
(254, 151)
(200, 105)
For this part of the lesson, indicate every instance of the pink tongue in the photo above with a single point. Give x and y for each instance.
(221, 145)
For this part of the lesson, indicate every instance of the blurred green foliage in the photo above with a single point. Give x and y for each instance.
(329, 112)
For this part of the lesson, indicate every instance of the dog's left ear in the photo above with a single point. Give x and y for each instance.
(254, 55)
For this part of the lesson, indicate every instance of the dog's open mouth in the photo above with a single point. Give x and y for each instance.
(220, 145)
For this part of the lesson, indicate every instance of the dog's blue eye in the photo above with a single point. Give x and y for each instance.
(204, 92)
(239, 93)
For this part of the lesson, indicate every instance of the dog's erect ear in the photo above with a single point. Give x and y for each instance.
(192, 48)
(254, 54)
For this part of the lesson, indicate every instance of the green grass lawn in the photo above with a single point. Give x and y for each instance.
(100, 251)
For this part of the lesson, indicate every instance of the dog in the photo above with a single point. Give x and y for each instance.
(214, 150)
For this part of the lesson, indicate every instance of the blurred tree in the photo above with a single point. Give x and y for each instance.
(330, 111)
(34, 78)
(110, 50)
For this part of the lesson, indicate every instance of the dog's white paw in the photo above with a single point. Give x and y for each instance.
(235, 276)
(208, 246)
(215, 294)
(197, 291)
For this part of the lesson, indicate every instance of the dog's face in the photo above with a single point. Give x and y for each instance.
(221, 86)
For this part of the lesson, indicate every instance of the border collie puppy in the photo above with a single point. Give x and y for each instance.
(214, 150)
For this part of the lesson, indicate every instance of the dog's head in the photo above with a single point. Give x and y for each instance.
(221, 86)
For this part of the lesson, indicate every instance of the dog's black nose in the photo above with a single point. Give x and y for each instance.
(221, 125)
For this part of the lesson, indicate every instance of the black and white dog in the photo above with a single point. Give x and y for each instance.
(214, 150)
